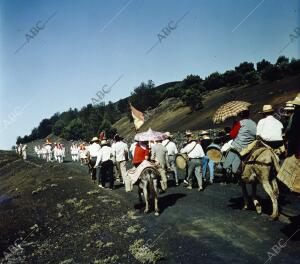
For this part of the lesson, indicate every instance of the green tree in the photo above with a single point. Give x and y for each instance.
(232, 78)
(252, 77)
(263, 64)
(193, 99)
(213, 81)
(245, 67)
(271, 73)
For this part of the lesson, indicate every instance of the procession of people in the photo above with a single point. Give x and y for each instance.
(196, 160)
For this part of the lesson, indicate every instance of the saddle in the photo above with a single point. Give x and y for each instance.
(250, 154)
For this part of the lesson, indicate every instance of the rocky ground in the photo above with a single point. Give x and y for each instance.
(53, 213)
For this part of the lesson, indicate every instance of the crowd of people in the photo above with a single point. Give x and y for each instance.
(111, 159)
(51, 152)
(21, 150)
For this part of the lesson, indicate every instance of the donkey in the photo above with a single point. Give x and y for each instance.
(148, 185)
(262, 166)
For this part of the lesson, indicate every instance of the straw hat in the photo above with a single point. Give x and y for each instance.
(296, 101)
(193, 137)
(104, 142)
(267, 109)
(188, 133)
(204, 132)
(94, 139)
(168, 135)
(289, 106)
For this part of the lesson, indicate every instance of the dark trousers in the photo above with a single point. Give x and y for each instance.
(107, 173)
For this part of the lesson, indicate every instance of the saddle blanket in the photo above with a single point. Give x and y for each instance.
(135, 173)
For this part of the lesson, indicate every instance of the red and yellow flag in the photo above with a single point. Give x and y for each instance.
(138, 117)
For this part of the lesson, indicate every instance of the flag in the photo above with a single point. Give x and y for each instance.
(138, 117)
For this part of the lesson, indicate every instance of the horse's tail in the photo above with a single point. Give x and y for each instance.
(276, 161)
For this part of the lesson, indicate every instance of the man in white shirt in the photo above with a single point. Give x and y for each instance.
(120, 152)
(105, 172)
(172, 152)
(94, 148)
(269, 129)
(195, 152)
(24, 152)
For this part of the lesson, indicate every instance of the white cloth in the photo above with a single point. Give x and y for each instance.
(269, 129)
(171, 147)
(226, 146)
(134, 173)
(132, 148)
(119, 149)
(94, 149)
(194, 150)
(104, 154)
(82, 153)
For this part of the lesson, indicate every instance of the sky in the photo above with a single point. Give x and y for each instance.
(56, 55)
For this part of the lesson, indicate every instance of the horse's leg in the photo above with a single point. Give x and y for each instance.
(245, 195)
(268, 188)
(155, 189)
(146, 196)
(275, 187)
(254, 198)
(140, 189)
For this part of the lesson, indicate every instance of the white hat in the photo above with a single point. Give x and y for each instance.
(104, 142)
(289, 106)
(168, 135)
(188, 133)
(296, 101)
(94, 139)
(267, 109)
(204, 132)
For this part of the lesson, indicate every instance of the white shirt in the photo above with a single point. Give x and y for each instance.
(104, 154)
(194, 150)
(226, 146)
(94, 149)
(132, 148)
(119, 148)
(269, 129)
(171, 147)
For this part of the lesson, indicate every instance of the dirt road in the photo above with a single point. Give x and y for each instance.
(77, 222)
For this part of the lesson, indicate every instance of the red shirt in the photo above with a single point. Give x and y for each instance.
(140, 154)
(235, 130)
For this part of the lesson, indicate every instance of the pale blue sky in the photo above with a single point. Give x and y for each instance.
(87, 44)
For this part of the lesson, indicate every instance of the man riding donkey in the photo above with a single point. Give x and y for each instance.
(260, 162)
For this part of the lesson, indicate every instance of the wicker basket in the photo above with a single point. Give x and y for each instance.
(289, 173)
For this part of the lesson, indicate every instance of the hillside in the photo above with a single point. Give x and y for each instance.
(172, 116)
(177, 105)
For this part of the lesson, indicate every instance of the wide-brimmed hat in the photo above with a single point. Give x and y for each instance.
(193, 137)
(94, 139)
(104, 142)
(289, 106)
(267, 109)
(204, 132)
(188, 133)
(296, 101)
(168, 135)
